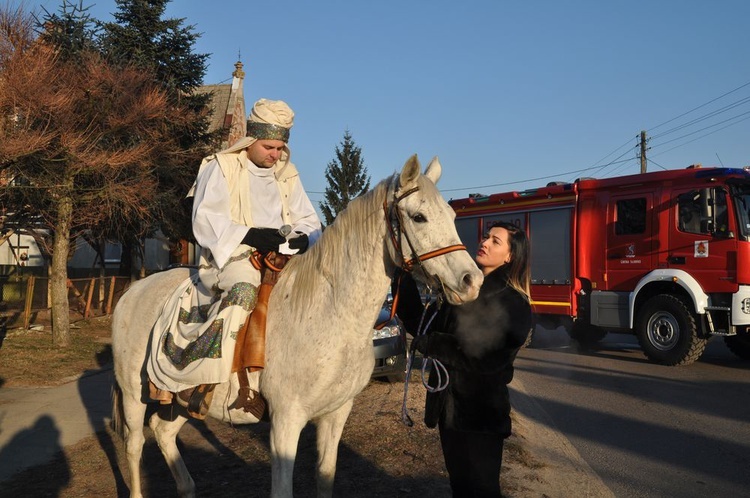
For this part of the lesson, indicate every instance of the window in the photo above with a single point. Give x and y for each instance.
(703, 212)
(689, 212)
(720, 210)
(630, 216)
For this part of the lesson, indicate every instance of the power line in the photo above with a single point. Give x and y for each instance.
(614, 161)
(547, 177)
(704, 117)
(732, 121)
(652, 161)
(702, 136)
(699, 107)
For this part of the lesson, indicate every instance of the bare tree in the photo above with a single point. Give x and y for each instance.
(79, 138)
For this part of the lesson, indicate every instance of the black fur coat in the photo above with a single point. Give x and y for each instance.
(477, 342)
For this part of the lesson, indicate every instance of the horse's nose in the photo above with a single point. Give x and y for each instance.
(472, 281)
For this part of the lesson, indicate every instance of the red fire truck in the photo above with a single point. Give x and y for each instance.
(663, 255)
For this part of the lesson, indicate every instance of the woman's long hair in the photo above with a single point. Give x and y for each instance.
(519, 276)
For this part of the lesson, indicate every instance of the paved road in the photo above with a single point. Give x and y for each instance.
(36, 423)
(645, 429)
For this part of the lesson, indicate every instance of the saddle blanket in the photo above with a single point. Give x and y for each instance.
(193, 340)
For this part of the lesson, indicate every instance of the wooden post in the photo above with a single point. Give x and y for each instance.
(111, 295)
(90, 295)
(81, 304)
(29, 300)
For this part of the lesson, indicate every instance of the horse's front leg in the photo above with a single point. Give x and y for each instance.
(285, 432)
(329, 429)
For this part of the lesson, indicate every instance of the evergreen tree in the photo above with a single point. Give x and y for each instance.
(347, 178)
(71, 31)
(141, 36)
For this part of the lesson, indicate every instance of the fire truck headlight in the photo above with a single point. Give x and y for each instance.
(746, 305)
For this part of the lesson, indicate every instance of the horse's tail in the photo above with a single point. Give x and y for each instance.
(118, 414)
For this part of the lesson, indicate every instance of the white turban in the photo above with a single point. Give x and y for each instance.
(275, 113)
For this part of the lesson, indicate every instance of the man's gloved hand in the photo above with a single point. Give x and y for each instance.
(301, 242)
(264, 239)
(419, 343)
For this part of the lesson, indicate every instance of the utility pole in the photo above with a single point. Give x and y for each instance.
(643, 151)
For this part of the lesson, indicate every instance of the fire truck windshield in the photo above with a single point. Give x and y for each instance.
(741, 196)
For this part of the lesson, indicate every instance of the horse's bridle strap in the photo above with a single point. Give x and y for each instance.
(408, 265)
(394, 230)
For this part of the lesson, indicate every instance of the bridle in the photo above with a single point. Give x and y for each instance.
(394, 224)
(396, 233)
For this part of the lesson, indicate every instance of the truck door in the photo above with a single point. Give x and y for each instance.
(630, 240)
(702, 241)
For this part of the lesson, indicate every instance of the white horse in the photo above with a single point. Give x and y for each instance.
(321, 312)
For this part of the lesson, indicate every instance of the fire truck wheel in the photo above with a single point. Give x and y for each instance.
(667, 331)
(739, 344)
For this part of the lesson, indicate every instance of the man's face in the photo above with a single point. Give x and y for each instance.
(265, 153)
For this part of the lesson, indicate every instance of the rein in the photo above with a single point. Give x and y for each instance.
(440, 369)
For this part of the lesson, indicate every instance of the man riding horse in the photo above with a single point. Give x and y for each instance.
(243, 196)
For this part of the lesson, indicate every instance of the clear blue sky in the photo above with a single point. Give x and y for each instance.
(509, 94)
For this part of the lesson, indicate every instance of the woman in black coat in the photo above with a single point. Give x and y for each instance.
(477, 343)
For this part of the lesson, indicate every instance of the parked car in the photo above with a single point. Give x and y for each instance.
(390, 348)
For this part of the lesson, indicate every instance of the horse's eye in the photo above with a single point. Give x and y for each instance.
(419, 218)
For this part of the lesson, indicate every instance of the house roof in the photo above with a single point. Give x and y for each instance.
(219, 103)
(228, 106)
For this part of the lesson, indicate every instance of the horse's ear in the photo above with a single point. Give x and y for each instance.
(434, 170)
(411, 171)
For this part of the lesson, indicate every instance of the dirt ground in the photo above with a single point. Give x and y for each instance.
(379, 456)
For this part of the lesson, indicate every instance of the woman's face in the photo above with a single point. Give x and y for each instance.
(494, 250)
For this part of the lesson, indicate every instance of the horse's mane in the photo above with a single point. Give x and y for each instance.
(342, 241)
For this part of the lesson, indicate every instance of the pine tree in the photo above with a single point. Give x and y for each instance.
(141, 36)
(347, 178)
(72, 31)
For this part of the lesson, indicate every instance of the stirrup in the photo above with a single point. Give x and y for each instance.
(196, 400)
(257, 406)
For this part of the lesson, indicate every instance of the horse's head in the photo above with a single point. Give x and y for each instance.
(423, 234)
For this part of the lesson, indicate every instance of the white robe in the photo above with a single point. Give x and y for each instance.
(217, 230)
(194, 340)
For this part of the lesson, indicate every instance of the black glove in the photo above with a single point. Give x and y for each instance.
(301, 242)
(419, 343)
(264, 239)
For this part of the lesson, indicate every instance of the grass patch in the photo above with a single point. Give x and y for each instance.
(29, 359)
